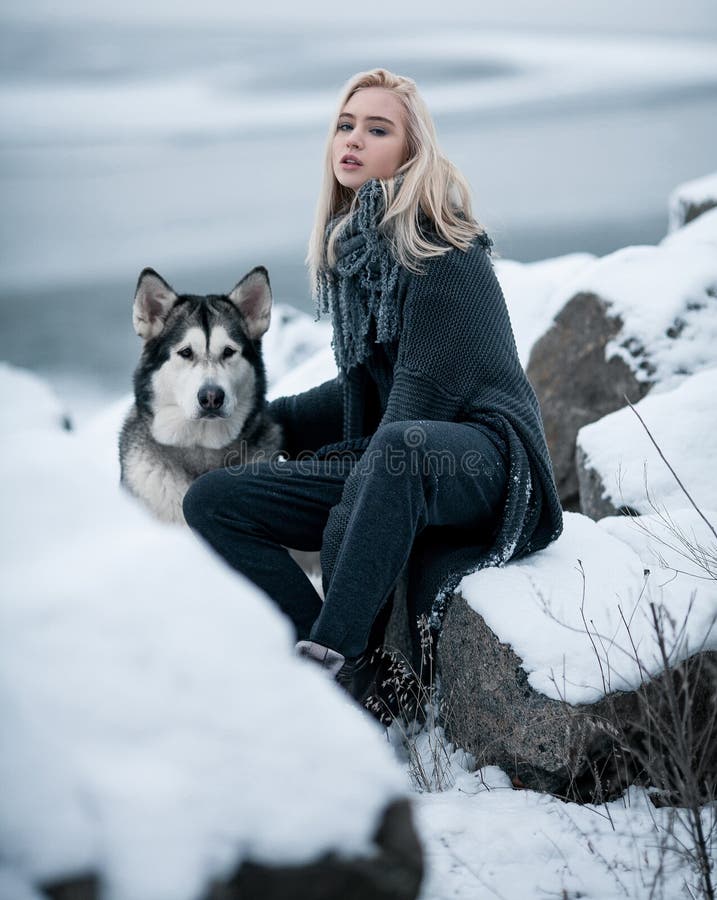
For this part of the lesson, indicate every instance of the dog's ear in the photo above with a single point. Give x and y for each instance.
(252, 297)
(153, 300)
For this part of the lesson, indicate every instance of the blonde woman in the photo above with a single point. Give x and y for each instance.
(426, 454)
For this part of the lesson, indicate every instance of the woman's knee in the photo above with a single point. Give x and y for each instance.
(239, 498)
(400, 449)
(396, 432)
(404, 435)
(201, 499)
(406, 441)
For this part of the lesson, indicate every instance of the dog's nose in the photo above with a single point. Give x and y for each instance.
(211, 396)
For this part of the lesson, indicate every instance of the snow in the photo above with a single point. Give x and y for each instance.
(156, 724)
(294, 338)
(35, 404)
(675, 333)
(133, 716)
(681, 421)
(702, 230)
(696, 192)
(314, 371)
(484, 839)
(548, 605)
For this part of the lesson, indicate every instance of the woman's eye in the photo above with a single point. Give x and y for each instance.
(378, 131)
(228, 352)
(185, 353)
(343, 126)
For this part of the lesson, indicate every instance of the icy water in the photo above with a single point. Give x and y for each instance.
(197, 150)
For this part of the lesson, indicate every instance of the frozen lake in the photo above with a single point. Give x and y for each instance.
(197, 150)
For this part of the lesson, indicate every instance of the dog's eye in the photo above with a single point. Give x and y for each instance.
(228, 352)
(185, 353)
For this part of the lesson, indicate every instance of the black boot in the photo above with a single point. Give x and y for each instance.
(355, 674)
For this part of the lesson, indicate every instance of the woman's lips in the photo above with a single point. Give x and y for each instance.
(350, 165)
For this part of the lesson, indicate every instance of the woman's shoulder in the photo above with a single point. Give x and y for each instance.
(456, 260)
(461, 277)
(429, 229)
(431, 233)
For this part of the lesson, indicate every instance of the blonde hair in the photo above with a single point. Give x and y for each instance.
(430, 183)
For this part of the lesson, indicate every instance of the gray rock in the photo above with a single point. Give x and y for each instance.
(492, 711)
(80, 887)
(575, 384)
(687, 210)
(579, 751)
(593, 500)
(693, 210)
(394, 872)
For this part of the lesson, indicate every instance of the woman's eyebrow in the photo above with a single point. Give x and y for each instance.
(368, 118)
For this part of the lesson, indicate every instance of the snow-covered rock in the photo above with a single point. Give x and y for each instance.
(574, 382)
(702, 230)
(30, 403)
(533, 296)
(536, 604)
(157, 728)
(619, 466)
(689, 200)
(639, 317)
(528, 652)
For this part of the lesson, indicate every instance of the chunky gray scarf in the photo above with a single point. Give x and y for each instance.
(362, 284)
(360, 291)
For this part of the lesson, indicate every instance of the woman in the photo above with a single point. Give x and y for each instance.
(449, 470)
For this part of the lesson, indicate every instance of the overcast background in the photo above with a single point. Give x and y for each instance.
(190, 138)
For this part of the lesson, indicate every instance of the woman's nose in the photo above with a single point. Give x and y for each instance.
(352, 140)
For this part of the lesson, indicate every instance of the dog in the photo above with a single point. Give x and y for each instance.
(199, 389)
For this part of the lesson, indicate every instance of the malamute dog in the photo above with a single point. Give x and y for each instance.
(199, 388)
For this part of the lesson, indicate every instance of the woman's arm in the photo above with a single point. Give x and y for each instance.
(456, 346)
(310, 419)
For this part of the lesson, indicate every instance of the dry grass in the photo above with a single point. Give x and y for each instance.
(408, 702)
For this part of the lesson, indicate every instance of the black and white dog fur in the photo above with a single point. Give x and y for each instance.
(199, 388)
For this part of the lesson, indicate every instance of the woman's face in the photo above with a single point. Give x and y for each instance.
(370, 139)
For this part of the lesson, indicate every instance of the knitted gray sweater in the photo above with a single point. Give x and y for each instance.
(453, 358)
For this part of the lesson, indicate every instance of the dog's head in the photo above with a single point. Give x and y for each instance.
(201, 373)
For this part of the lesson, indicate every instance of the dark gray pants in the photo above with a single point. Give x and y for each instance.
(412, 474)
